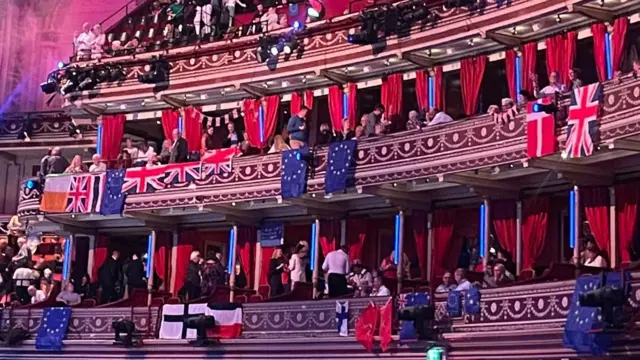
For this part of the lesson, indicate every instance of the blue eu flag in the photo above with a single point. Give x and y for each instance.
(113, 197)
(472, 301)
(454, 304)
(293, 181)
(340, 163)
(53, 328)
(408, 331)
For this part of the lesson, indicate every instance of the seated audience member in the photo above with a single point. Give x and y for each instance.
(504, 257)
(524, 97)
(574, 77)
(635, 68)
(234, 138)
(373, 119)
(37, 296)
(283, 22)
(360, 279)
(499, 275)
(256, 24)
(388, 267)
(179, 149)
(83, 287)
(175, 13)
(358, 133)
(57, 163)
(123, 161)
(278, 145)
(297, 128)
(345, 133)
(592, 256)
(460, 277)
(131, 149)
(145, 152)
(326, 136)
(378, 288)
(131, 44)
(435, 116)
(76, 166)
(68, 296)
(414, 122)
(208, 141)
(554, 86)
(96, 164)
(269, 20)
(165, 152)
(22, 278)
(447, 284)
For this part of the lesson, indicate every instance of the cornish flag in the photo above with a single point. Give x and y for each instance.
(541, 130)
(174, 320)
(342, 318)
(582, 120)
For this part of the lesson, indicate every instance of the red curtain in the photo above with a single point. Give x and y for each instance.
(99, 255)
(245, 251)
(296, 102)
(186, 244)
(418, 221)
(335, 106)
(162, 251)
(438, 88)
(391, 98)
(422, 92)
(471, 74)
(504, 223)
(596, 209)
(529, 56)
(112, 131)
(534, 229)
(569, 57)
(599, 32)
(264, 271)
(510, 64)
(308, 98)
(356, 237)
(251, 107)
(441, 232)
(271, 105)
(329, 236)
(193, 127)
(617, 41)
(555, 53)
(170, 122)
(627, 196)
(352, 103)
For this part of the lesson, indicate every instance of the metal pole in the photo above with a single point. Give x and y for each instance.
(68, 251)
(518, 237)
(576, 225)
(486, 231)
(429, 244)
(316, 266)
(232, 261)
(400, 250)
(151, 248)
(613, 247)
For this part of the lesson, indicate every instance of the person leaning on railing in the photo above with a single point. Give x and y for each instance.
(76, 166)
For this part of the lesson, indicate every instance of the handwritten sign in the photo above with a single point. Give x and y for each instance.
(272, 234)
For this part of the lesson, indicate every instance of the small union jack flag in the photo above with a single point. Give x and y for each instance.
(218, 161)
(182, 173)
(84, 193)
(144, 179)
(582, 120)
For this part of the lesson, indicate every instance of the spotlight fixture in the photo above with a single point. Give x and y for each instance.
(315, 10)
(69, 82)
(201, 323)
(298, 25)
(158, 72)
(428, 52)
(266, 48)
(90, 81)
(368, 33)
(51, 85)
(546, 108)
(514, 30)
(74, 131)
(26, 132)
(558, 19)
(61, 65)
(274, 50)
(116, 73)
(123, 326)
(470, 42)
(290, 45)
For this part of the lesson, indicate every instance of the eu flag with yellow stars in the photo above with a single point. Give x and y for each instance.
(340, 164)
(53, 328)
(113, 196)
(293, 181)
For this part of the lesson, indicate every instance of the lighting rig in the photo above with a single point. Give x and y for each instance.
(66, 80)
(271, 46)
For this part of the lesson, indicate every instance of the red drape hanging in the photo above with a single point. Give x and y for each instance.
(169, 122)
(163, 246)
(422, 92)
(569, 57)
(335, 106)
(186, 242)
(510, 65)
(529, 56)
(264, 269)
(352, 103)
(534, 229)
(246, 250)
(391, 98)
(296, 102)
(308, 98)
(555, 54)
(193, 127)
(99, 255)
(503, 215)
(441, 232)
(617, 41)
(251, 123)
(599, 31)
(627, 196)
(329, 236)
(438, 88)
(112, 131)
(418, 221)
(271, 105)
(471, 74)
(356, 237)
(596, 209)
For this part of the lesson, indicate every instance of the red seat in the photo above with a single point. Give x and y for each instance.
(264, 290)
(255, 298)
(624, 265)
(174, 300)
(407, 290)
(87, 303)
(527, 274)
(240, 299)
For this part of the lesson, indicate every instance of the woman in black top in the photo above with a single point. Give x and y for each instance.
(209, 141)
(276, 268)
(241, 278)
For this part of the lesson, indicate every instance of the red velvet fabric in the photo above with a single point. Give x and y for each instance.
(271, 105)
(596, 209)
(569, 57)
(441, 232)
(186, 244)
(352, 101)
(99, 255)
(554, 55)
(503, 215)
(112, 131)
(335, 106)
(169, 122)
(296, 102)
(245, 249)
(529, 56)
(264, 271)
(391, 98)
(627, 196)
(418, 223)
(308, 98)
(329, 236)
(193, 127)
(251, 107)
(162, 254)
(534, 229)
(422, 92)
(618, 41)
(356, 237)
(471, 74)
(438, 88)
(510, 65)
(599, 31)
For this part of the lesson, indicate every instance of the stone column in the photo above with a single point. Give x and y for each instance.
(233, 239)
(399, 251)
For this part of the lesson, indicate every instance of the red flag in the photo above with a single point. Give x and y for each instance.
(541, 131)
(386, 321)
(366, 325)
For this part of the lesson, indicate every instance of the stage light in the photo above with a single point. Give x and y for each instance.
(90, 81)
(546, 108)
(298, 25)
(201, 323)
(274, 51)
(315, 10)
(49, 87)
(290, 46)
(30, 184)
(27, 129)
(123, 326)
(158, 72)
(61, 65)
(117, 73)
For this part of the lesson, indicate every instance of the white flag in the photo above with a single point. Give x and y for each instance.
(342, 318)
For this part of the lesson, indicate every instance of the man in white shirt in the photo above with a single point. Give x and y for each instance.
(378, 288)
(97, 164)
(336, 267)
(145, 152)
(84, 40)
(360, 279)
(37, 296)
(463, 283)
(436, 116)
(553, 87)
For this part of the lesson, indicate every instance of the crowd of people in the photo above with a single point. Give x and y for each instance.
(205, 275)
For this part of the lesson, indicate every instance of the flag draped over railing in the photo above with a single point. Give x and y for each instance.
(53, 328)
(582, 120)
(293, 180)
(340, 164)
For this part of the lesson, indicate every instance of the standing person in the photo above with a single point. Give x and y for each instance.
(297, 266)
(241, 277)
(165, 152)
(135, 274)
(373, 119)
(231, 9)
(98, 42)
(132, 150)
(179, 148)
(110, 278)
(6, 253)
(234, 138)
(336, 267)
(57, 163)
(276, 268)
(83, 41)
(144, 153)
(346, 133)
(278, 145)
(37, 295)
(208, 141)
(192, 283)
(96, 164)
(44, 164)
(297, 128)
(269, 20)
(212, 276)
(204, 9)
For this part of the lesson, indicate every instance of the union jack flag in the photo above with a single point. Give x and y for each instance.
(541, 130)
(85, 193)
(218, 161)
(582, 120)
(182, 173)
(143, 179)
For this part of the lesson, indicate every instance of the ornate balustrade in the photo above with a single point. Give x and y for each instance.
(29, 200)
(46, 129)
